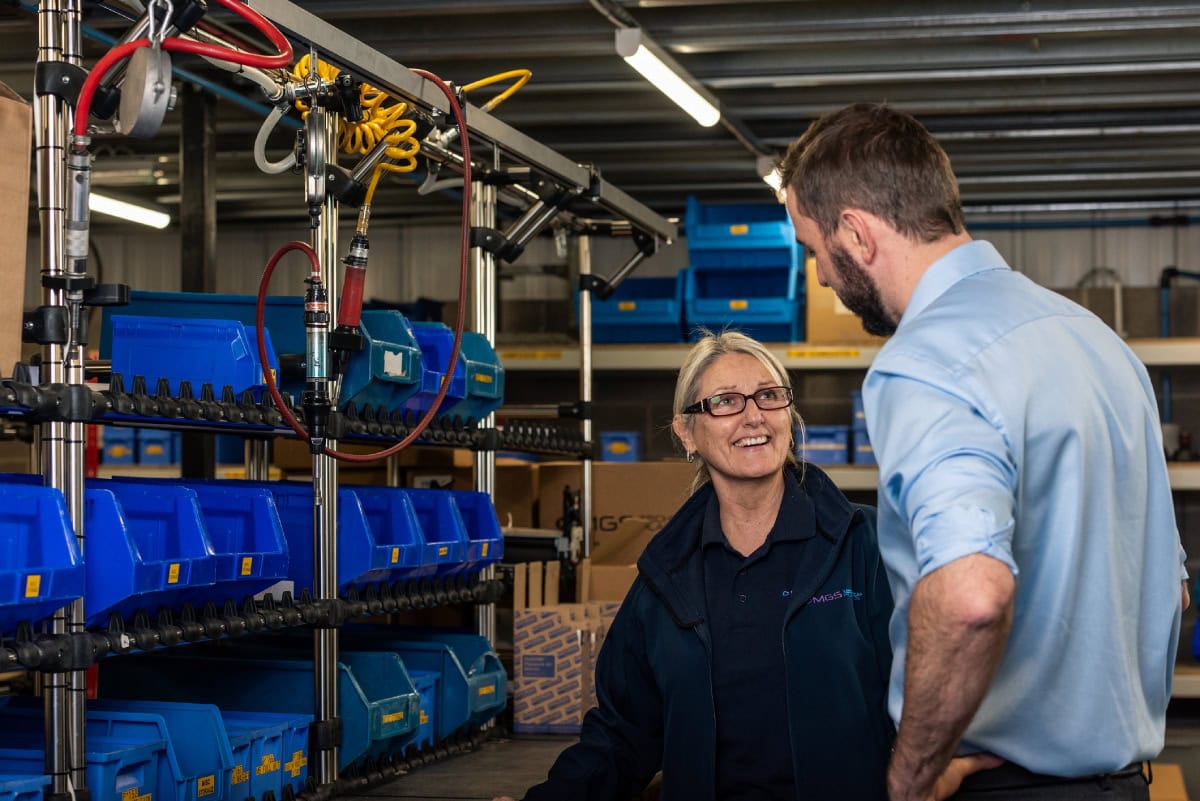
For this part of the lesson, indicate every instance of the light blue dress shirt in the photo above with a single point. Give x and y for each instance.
(1011, 422)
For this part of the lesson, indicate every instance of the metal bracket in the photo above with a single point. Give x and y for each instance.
(46, 325)
(489, 239)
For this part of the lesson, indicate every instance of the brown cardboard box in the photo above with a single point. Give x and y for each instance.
(620, 490)
(1168, 783)
(16, 144)
(827, 320)
(610, 571)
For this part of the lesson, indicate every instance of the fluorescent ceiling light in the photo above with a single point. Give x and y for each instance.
(768, 170)
(657, 67)
(102, 204)
(774, 180)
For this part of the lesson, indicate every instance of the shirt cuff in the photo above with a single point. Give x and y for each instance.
(960, 531)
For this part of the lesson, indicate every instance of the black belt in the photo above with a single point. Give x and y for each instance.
(1010, 776)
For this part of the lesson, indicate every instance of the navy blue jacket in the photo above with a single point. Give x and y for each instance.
(653, 684)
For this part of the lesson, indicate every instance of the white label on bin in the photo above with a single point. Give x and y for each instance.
(297, 762)
(393, 364)
(33, 585)
(247, 565)
(173, 573)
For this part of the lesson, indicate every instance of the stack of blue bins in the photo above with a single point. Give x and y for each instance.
(41, 569)
(378, 703)
(827, 445)
(641, 310)
(747, 271)
(860, 439)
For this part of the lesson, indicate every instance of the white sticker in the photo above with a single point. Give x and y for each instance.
(393, 364)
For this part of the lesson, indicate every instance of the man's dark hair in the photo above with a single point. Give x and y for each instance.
(872, 157)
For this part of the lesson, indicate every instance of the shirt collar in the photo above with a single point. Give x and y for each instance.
(796, 519)
(965, 260)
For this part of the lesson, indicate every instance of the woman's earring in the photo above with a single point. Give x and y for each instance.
(691, 456)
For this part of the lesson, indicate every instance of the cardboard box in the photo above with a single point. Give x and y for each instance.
(16, 147)
(554, 653)
(827, 320)
(620, 491)
(610, 571)
(1168, 783)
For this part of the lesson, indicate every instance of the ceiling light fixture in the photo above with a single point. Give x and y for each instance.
(657, 67)
(103, 204)
(768, 170)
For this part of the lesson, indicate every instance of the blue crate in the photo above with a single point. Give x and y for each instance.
(641, 310)
(426, 682)
(217, 352)
(118, 445)
(437, 343)
(154, 446)
(445, 532)
(270, 752)
(485, 542)
(825, 444)
(740, 236)
(387, 371)
(390, 513)
(147, 546)
(40, 566)
(376, 701)
(199, 761)
(22, 788)
(483, 385)
(766, 304)
(115, 766)
(620, 446)
(472, 688)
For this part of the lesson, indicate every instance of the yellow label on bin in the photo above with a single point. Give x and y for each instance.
(627, 305)
(445, 549)
(739, 304)
(619, 447)
(155, 450)
(173, 573)
(424, 717)
(488, 690)
(395, 717)
(118, 451)
(247, 565)
(33, 585)
(206, 785)
(824, 353)
(485, 547)
(483, 378)
(395, 555)
(739, 230)
(270, 764)
(132, 795)
(297, 762)
(240, 775)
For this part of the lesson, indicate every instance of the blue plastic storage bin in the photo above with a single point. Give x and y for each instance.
(155, 446)
(485, 542)
(118, 445)
(641, 310)
(765, 303)
(740, 236)
(825, 444)
(445, 532)
(426, 683)
(391, 510)
(387, 371)
(117, 768)
(270, 752)
(217, 352)
(147, 547)
(472, 686)
(483, 385)
(377, 702)
(437, 343)
(40, 567)
(22, 788)
(620, 446)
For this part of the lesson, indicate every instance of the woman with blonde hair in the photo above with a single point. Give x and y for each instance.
(750, 658)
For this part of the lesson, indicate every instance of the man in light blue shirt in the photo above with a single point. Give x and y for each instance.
(1025, 515)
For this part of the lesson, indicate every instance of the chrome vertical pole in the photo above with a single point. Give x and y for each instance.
(583, 254)
(483, 293)
(325, 482)
(76, 435)
(258, 465)
(50, 130)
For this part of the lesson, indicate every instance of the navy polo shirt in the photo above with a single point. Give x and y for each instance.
(747, 599)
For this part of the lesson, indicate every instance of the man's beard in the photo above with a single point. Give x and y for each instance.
(860, 294)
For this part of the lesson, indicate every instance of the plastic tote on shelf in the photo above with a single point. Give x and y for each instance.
(824, 444)
(445, 532)
(485, 542)
(22, 788)
(270, 752)
(745, 235)
(377, 701)
(437, 342)
(641, 310)
(472, 686)
(40, 567)
(387, 371)
(391, 510)
(201, 351)
(483, 386)
(765, 303)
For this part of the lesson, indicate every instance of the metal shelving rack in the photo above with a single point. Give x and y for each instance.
(62, 440)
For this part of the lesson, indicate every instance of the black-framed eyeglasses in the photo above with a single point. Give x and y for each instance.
(727, 403)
